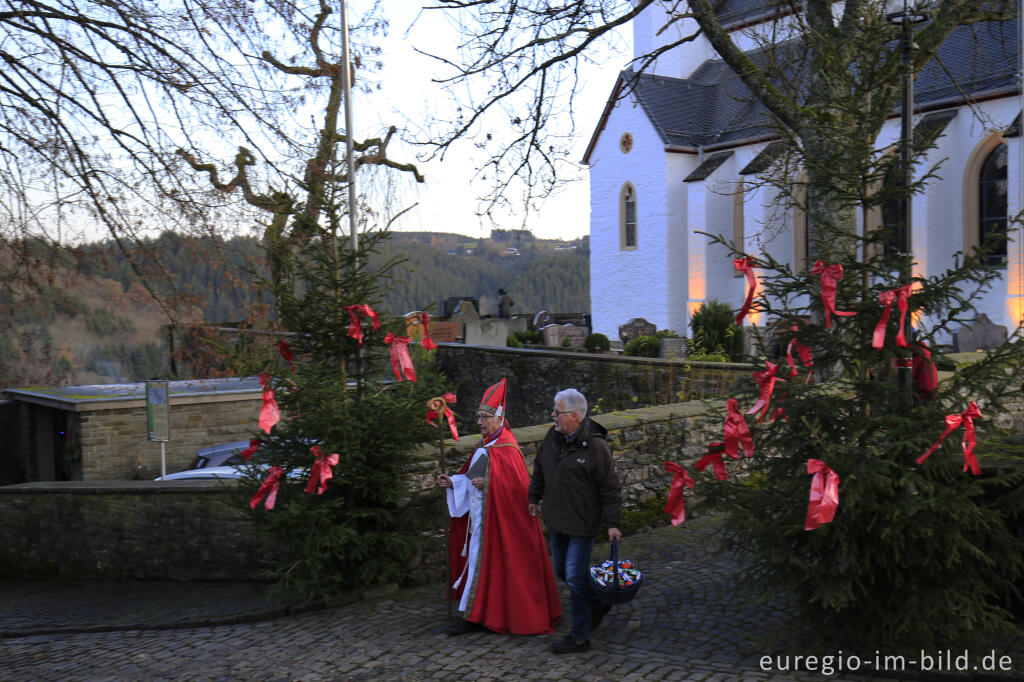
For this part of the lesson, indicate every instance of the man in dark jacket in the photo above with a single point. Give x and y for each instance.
(574, 476)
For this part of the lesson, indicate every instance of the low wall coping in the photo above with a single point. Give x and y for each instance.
(91, 398)
(124, 487)
(603, 357)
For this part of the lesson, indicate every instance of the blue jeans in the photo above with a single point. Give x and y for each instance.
(571, 556)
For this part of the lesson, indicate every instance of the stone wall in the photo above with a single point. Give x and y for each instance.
(201, 530)
(137, 530)
(610, 382)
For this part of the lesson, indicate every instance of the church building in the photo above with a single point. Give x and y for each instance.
(683, 152)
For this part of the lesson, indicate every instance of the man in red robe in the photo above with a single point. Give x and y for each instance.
(501, 573)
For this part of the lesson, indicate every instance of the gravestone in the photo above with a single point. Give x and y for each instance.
(673, 349)
(445, 332)
(983, 334)
(638, 326)
(555, 334)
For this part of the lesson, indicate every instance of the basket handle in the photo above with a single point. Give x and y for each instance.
(615, 561)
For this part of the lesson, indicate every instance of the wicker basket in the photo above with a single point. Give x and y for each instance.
(614, 581)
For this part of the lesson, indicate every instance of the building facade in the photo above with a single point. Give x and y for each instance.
(684, 150)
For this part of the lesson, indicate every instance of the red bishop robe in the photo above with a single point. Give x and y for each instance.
(514, 588)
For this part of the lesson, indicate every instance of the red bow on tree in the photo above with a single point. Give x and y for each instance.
(766, 379)
(824, 494)
(886, 298)
(286, 353)
(321, 472)
(400, 360)
(269, 413)
(676, 505)
(254, 445)
(746, 266)
(830, 275)
(268, 489)
(924, 372)
(736, 431)
(356, 313)
(426, 341)
(714, 458)
(438, 406)
(953, 421)
(805, 356)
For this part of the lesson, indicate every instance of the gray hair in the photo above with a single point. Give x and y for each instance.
(573, 401)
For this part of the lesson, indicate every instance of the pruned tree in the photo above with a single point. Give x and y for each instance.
(108, 107)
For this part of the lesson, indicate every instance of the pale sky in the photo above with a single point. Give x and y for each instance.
(447, 201)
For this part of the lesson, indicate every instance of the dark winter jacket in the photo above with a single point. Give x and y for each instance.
(576, 480)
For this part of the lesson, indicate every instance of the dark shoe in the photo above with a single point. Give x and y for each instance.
(570, 644)
(597, 615)
(463, 627)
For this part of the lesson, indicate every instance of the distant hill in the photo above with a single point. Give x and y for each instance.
(96, 323)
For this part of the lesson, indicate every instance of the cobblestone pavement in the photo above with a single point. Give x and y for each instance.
(688, 622)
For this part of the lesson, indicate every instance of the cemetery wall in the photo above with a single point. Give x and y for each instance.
(202, 530)
(610, 382)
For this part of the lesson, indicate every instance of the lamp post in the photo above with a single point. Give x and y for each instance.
(906, 17)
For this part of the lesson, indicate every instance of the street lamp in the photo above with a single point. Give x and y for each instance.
(906, 16)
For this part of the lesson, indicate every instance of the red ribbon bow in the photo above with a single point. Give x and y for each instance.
(886, 298)
(714, 458)
(830, 275)
(924, 372)
(953, 421)
(426, 341)
(437, 405)
(321, 472)
(824, 494)
(736, 431)
(400, 360)
(268, 489)
(356, 313)
(805, 356)
(286, 353)
(746, 266)
(270, 414)
(254, 445)
(676, 505)
(766, 379)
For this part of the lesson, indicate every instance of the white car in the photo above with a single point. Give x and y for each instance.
(222, 472)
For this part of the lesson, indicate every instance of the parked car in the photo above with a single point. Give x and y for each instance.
(221, 472)
(222, 454)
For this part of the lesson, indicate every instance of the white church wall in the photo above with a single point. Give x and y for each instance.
(711, 211)
(617, 275)
(679, 166)
(1015, 251)
(678, 63)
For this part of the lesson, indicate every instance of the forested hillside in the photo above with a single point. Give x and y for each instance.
(96, 323)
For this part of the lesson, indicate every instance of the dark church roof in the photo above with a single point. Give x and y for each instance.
(713, 108)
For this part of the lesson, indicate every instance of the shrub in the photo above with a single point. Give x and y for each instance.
(715, 332)
(512, 342)
(528, 337)
(643, 346)
(596, 343)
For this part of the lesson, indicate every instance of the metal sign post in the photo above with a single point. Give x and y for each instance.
(158, 418)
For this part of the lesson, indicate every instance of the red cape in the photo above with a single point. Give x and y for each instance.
(514, 589)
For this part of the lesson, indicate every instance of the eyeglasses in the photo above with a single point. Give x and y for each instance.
(480, 416)
(558, 413)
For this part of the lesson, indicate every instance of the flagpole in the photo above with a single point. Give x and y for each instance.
(346, 86)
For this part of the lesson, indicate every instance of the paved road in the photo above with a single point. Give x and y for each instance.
(688, 622)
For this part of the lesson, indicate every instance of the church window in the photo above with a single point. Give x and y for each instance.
(985, 200)
(627, 217)
(992, 206)
(894, 214)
